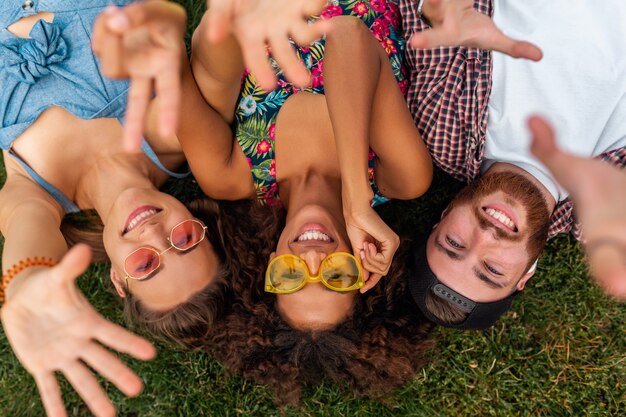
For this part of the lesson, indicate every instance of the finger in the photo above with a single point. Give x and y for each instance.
(171, 14)
(111, 57)
(86, 385)
(257, 61)
(168, 89)
(304, 34)
(113, 369)
(360, 254)
(313, 7)
(375, 261)
(136, 109)
(99, 29)
(517, 49)
(432, 38)
(612, 279)
(220, 15)
(562, 166)
(608, 267)
(117, 21)
(74, 263)
(122, 340)
(286, 57)
(374, 278)
(50, 395)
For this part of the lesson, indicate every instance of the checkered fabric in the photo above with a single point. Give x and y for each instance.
(448, 97)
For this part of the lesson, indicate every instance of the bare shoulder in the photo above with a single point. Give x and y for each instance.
(21, 196)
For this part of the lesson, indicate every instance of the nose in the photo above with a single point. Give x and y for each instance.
(151, 233)
(313, 259)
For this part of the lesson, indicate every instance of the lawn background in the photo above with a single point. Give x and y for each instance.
(560, 351)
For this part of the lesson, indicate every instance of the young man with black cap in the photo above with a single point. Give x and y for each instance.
(472, 107)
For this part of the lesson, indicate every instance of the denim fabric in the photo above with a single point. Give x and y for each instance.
(55, 67)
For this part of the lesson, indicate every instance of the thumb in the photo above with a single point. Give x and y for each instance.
(74, 263)
(564, 167)
(518, 49)
(429, 39)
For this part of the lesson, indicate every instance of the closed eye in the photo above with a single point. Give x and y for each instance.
(453, 243)
(493, 270)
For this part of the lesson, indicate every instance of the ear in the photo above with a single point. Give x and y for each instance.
(443, 214)
(272, 256)
(522, 282)
(119, 285)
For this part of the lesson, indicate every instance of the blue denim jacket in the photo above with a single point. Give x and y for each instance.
(55, 67)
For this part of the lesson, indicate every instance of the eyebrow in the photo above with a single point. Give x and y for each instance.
(456, 257)
(484, 278)
(450, 253)
(162, 267)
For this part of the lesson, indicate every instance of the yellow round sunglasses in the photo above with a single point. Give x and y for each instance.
(339, 271)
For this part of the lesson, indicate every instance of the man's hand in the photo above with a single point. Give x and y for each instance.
(363, 226)
(52, 327)
(598, 190)
(144, 42)
(259, 24)
(456, 23)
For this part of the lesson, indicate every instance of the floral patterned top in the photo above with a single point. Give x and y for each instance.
(257, 110)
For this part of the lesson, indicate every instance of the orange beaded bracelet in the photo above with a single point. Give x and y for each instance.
(19, 267)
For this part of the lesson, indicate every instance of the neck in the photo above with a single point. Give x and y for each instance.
(312, 189)
(109, 177)
(506, 167)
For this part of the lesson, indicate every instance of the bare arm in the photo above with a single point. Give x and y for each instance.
(48, 322)
(217, 69)
(367, 110)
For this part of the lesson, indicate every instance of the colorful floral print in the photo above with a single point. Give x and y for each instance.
(257, 110)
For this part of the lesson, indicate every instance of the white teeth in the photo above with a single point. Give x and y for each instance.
(139, 217)
(501, 217)
(313, 235)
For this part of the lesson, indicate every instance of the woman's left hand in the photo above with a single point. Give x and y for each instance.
(362, 226)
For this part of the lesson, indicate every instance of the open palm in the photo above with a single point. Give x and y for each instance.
(52, 327)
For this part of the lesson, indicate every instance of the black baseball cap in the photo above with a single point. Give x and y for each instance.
(421, 280)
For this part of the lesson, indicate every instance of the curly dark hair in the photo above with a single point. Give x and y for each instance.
(378, 348)
(242, 234)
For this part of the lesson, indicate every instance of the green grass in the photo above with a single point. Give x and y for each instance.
(560, 351)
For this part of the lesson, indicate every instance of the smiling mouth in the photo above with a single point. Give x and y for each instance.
(139, 216)
(314, 235)
(500, 218)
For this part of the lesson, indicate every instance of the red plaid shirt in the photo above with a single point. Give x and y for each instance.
(448, 97)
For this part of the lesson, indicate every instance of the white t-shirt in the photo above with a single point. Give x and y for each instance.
(579, 85)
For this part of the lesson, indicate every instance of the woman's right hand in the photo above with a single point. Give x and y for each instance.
(52, 327)
(144, 42)
(363, 226)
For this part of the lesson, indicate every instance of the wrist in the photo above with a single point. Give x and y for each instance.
(17, 274)
(356, 196)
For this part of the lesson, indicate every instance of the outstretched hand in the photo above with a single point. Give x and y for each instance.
(260, 25)
(456, 23)
(363, 227)
(143, 42)
(598, 190)
(52, 327)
